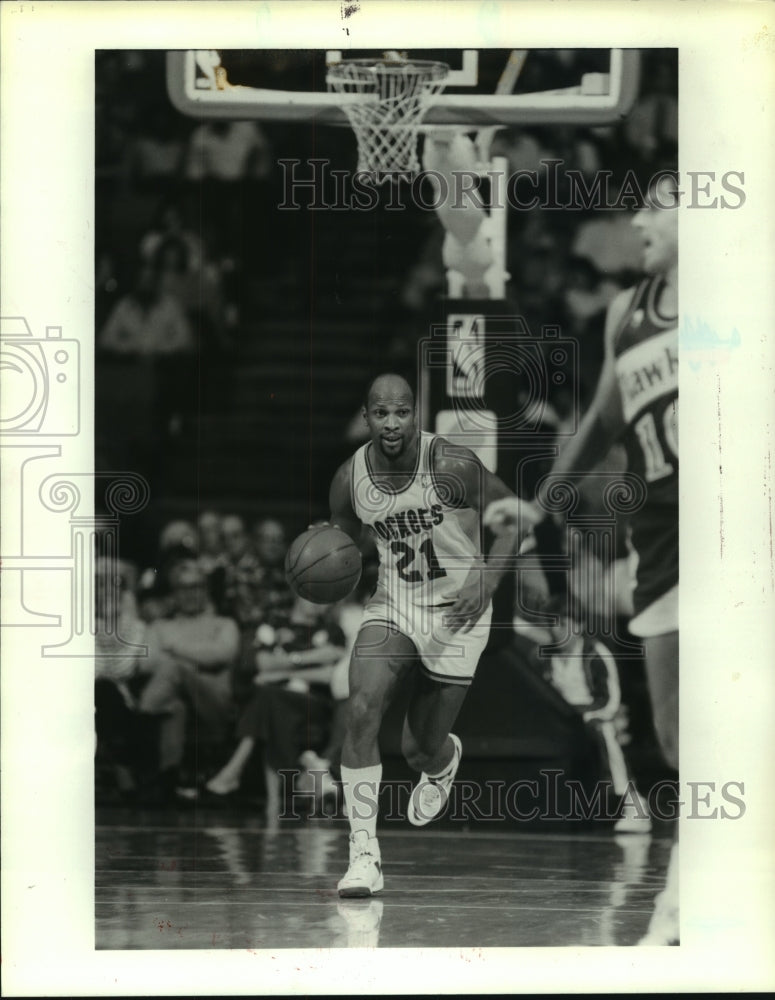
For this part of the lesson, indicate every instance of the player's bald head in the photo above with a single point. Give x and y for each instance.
(389, 386)
(391, 417)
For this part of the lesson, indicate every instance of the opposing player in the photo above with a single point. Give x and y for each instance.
(636, 401)
(421, 497)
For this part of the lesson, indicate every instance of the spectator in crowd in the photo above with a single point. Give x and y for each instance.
(255, 588)
(147, 322)
(116, 114)
(177, 543)
(118, 640)
(585, 673)
(211, 554)
(210, 532)
(150, 328)
(178, 534)
(210, 266)
(274, 597)
(524, 148)
(587, 152)
(197, 290)
(242, 573)
(651, 128)
(144, 382)
(242, 579)
(227, 151)
(152, 602)
(189, 668)
(176, 277)
(170, 224)
(290, 714)
(186, 271)
(155, 154)
(231, 164)
(270, 542)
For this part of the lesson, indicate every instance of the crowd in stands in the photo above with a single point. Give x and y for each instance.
(207, 662)
(179, 202)
(177, 206)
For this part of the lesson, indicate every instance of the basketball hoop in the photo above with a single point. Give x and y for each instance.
(394, 97)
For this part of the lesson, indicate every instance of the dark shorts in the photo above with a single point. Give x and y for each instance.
(655, 539)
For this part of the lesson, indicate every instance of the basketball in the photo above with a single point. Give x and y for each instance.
(323, 565)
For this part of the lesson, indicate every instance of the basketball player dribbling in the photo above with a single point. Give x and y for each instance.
(422, 499)
(636, 402)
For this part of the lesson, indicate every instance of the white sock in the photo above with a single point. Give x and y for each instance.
(361, 796)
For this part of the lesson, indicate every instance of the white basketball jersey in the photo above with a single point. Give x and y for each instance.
(426, 546)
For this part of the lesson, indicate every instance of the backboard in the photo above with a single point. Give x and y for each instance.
(485, 86)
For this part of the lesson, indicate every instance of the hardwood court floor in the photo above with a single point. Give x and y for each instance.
(220, 882)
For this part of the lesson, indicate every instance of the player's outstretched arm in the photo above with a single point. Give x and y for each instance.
(600, 427)
(603, 422)
(340, 501)
(465, 482)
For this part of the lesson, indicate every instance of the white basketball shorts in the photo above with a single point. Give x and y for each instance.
(445, 656)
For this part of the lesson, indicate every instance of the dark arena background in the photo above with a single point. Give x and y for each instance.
(240, 315)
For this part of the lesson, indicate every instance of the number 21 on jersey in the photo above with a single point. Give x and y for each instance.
(406, 557)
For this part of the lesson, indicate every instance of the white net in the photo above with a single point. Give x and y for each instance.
(393, 99)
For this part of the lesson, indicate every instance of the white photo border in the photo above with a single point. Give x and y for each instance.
(727, 122)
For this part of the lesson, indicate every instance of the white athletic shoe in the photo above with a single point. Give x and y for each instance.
(429, 795)
(364, 876)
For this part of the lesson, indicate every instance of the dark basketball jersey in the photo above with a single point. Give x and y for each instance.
(646, 353)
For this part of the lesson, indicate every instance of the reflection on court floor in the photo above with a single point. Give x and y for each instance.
(245, 887)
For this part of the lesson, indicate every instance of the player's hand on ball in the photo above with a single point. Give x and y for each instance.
(512, 515)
